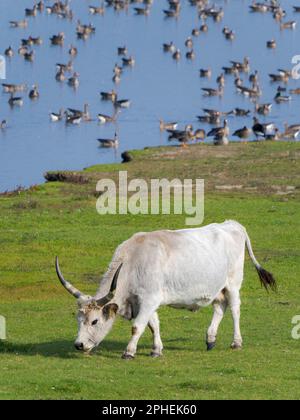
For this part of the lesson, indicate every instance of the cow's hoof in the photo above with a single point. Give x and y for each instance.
(210, 346)
(127, 356)
(236, 346)
(155, 355)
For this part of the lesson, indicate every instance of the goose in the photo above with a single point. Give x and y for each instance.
(116, 79)
(34, 93)
(253, 78)
(230, 70)
(142, 11)
(73, 119)
(15, 101)
(97, 10)
(253, 92)
(85, 114)
(23, 50)
(243, 67)
(196, 32)
(109, 143)
(259, 7)
(280, 77)
(169, 47)
(200, 134)
(296, 9)
(19, 24)
(273, 137)
(176, 134)
(122, 51)
(288, 25)
(204, 28)
(109, 96)
(271, 44)
(189, 43)
(172, 13)
(9, 52)
(221, 80)
(167, 126)
(190, 55)
(60, 76)
(229, 34)
(263, 109)
(55, 117)
(291, 131)
(220, 132)
(209, 119)
(29, 56)
(31, 12)
(73, 51)
(260, 130)
(74, 80)
(205, 73)
(243, 133)
(129, 62)
(177, 55)
(11, 88)
(3, 125)
(65, 67)
(122, 103)
(104, 119)
(117, 70)
(58, 39)
(213, 92)
(239, 112)
(214, 112)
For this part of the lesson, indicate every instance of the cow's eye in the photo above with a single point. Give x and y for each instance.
(95, 322)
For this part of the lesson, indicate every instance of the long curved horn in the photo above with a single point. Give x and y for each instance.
(106, 299)
(68, 286)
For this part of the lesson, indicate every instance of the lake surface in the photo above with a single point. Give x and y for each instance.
(157, 85)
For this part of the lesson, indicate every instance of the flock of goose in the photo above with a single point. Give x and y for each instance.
(207, 14)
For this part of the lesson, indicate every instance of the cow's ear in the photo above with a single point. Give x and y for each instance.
(110, 310)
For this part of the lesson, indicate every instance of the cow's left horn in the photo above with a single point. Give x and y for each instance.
(68, 286)
(106, 299)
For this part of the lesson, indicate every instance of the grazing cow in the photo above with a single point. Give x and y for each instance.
(188, 269)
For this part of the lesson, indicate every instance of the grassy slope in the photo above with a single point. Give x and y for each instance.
(38, 360)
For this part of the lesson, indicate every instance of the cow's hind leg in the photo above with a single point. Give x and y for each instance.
(235, 306)
(220, 305)
(157, 343)
(138, 328)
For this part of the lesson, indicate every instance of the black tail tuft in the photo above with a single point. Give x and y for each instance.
(267, 279)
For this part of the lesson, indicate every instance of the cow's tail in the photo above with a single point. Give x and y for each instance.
(267, 279)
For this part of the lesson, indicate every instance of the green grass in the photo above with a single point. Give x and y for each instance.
(38, 359)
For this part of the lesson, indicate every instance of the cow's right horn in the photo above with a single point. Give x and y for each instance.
(68, 286)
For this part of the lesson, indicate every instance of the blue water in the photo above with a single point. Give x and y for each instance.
(157, 86)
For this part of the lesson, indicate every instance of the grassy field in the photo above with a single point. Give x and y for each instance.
(256, 184)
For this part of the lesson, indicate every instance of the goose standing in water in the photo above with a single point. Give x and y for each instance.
(74, 80)
(34, 93)
(15, 101)
(109, 143)
(55, 117)
(163, 126)
(3, 125)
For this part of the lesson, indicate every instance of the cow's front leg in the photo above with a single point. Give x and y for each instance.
(139, 326)
(157, 343)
